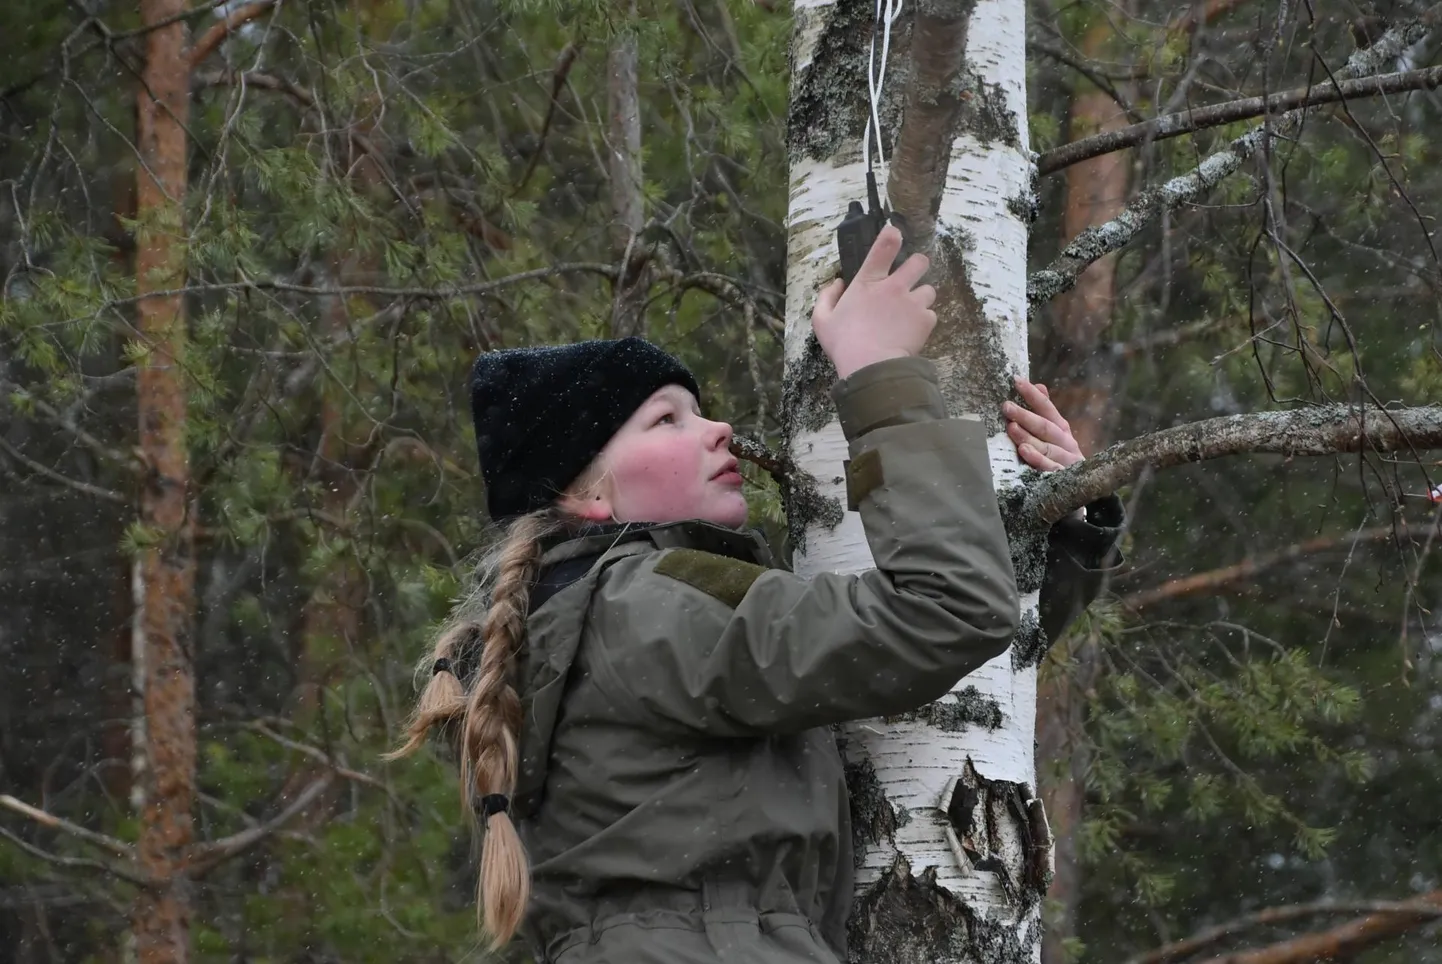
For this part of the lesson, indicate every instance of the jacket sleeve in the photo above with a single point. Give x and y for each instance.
(708, 643)
(1081, 554)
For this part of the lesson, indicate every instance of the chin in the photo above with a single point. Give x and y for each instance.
(731, 516)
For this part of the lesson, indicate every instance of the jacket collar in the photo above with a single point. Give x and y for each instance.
(593, 540)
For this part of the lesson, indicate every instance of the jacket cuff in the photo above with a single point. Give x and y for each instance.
(1093, 543)
(891, 392)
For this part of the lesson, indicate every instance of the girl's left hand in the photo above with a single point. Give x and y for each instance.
(1043, 438)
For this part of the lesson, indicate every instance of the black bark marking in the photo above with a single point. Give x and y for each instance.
(830, 102)
(1030, 644)
(964, 709)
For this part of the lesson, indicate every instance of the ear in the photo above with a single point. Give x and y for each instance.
(597, 508)
(588, 504)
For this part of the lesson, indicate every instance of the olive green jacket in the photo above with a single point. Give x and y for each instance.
(681, 796)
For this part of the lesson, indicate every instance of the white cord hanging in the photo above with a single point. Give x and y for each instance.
(886, 13)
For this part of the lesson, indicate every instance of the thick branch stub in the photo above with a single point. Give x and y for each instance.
(936, 93)
(1327, 430)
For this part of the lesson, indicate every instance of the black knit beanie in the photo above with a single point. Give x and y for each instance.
(542, 414)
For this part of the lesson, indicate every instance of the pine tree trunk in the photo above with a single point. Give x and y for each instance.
(1083, 380)
(956, 855)
(165, 572)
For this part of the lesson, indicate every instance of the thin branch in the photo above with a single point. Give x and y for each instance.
(1325, 430)
(49, 820)
(564, 62)
(207, 857)
(1342, 942)
(259, 80)
(216, 35)
(124, 871)
(319, 755)
(83, 487)
(1195, 17)
(1214, 115)
(1099, 241)
(1216, 580)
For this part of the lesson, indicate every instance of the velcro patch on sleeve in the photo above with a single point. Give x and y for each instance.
(863, 474)
(720, 577)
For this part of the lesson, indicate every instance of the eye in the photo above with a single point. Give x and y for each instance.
(667, 419)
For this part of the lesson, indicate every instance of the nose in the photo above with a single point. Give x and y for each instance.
(723, 433)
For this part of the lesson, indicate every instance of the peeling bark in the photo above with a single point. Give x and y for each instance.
(944, 874)
(165, 569)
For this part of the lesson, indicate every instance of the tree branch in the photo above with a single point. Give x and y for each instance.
(1341, 942)
(216, 35)
(1326, 430)
(317, 754)
(1214, 115)
(207, 857)
(123, 870)
(52, 822)
(1215, 580)
(934, 97)
(1101, 240)
(1281, 915)
(85, 488)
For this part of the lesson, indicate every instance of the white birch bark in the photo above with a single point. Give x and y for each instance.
(917, 763)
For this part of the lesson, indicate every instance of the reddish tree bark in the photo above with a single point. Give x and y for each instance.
(165, 576)
(1084, 379)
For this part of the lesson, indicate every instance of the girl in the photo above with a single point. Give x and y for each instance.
(642, 701)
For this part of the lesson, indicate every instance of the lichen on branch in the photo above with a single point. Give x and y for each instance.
(1324, 430)
(1096, 242)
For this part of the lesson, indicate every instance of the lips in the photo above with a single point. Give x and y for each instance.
(728, 473)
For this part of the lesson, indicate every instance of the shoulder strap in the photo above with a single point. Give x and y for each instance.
(554, 635)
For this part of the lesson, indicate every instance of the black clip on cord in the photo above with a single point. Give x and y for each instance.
(858, 230)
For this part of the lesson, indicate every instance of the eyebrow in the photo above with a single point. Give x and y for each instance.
(675, 395)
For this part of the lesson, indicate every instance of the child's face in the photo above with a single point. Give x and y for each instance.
(666, 464)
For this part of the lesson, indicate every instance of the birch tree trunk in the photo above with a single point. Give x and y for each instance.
(164, 575)
(956, 854)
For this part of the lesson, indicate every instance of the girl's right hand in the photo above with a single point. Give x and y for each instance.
(880, 315)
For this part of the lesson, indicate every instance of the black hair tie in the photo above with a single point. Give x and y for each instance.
(493, 803)
(442, 665)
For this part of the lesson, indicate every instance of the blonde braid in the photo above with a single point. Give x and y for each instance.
(489, 733)
(490, 621)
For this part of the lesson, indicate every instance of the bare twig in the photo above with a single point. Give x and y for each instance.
(1325, 430)
(1340, 943)
(122, 869)
(85, 488)
(1216, 580)
(206, 857)
(216, 35)
(1101, 240)
(317, 754)
(52, 822)
(1214, 115)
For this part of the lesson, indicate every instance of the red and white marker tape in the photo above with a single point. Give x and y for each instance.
(1436, 494)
